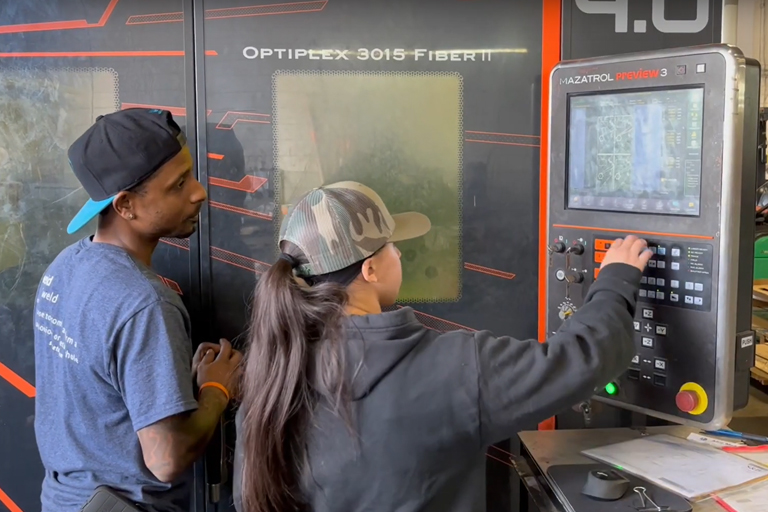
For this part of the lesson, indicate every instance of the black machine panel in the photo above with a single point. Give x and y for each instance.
(370, 91)
(652, 144)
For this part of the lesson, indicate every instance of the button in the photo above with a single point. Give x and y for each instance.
(652, 280)
(661, 264)
(597, 271)
(660, 281)
(688, 299)
(674, 283)
(698, 287)
(661, 330)
(652, 263)
(653, 249)
(560, 275)
(660, 295)
(636, 359)
(648, 313)
(687, 401)
(689, 286)
(675, 265)
(647, 342)
(643, 293)
(644, 280)
(661, 251)
(599, 257)
(674, 297)
(602, 245)
(633, 374)
(651, 294)
(660, 364)
(675, 252)
(659, 380)
(701, 68)
(681, 69)
(698, 301)
(636, 324)
(611, 389)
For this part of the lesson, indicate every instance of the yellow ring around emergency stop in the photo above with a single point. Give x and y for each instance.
(703, 400)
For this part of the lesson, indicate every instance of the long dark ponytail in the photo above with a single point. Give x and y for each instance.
(295, 358)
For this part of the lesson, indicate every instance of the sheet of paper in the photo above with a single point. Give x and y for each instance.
(684, 467)
(761, 457)
(753, 498)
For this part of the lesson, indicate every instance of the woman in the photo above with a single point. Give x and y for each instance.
(348, 408)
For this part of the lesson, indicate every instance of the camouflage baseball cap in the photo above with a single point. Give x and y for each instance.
(338, 225)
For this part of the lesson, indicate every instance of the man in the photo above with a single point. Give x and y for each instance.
(114, 368)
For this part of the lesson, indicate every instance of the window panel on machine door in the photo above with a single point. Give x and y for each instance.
(63, 66)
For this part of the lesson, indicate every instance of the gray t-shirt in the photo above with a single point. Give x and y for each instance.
(112, 356)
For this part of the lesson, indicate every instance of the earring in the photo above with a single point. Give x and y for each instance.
(130, 216)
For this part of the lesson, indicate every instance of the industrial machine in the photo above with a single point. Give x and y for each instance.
(663, 145)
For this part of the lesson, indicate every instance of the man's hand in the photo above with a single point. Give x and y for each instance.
(223, 368)
(170, 446)
(203, 349)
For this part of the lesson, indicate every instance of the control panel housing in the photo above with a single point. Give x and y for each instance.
(662, 145)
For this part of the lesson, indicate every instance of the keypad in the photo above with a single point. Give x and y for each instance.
(647, 367)
(678, 274)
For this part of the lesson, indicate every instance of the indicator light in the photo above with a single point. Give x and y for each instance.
(611, 388)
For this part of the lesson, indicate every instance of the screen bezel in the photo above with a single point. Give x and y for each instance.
(567, 187)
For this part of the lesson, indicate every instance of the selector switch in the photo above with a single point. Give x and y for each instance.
(574, 278)
(558, 247)
(576, 248)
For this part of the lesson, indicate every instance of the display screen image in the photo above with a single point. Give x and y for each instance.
(636, 151)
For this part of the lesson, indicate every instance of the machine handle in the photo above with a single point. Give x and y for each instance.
(214, 463)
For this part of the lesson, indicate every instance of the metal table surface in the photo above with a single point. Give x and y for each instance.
(542, 449)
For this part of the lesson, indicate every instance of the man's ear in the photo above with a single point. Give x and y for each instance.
(123, 205)
(369, 271)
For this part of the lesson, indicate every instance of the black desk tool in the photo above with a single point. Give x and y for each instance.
(569, 481)
(605, 485)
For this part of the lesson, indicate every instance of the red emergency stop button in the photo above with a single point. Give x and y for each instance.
(692, 399)
(687, 401)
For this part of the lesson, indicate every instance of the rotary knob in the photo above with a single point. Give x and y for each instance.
(577, 249)
(566, 310)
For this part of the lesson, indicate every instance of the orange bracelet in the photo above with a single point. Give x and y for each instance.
(217, 386)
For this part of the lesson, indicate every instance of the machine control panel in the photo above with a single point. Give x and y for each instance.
(679, 274)
(664, 157)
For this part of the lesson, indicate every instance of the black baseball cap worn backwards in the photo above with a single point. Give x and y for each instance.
(118, 152)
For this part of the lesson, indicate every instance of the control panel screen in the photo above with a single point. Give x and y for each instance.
(636, 151)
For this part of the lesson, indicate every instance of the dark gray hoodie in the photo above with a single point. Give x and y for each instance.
(427, 405)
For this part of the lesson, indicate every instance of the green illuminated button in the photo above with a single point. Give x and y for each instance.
(611, 389)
